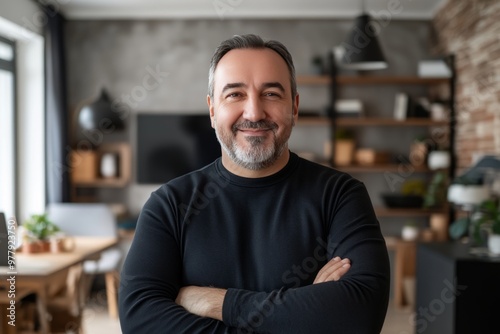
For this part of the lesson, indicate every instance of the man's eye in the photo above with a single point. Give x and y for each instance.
(271, 94)
(233, 95)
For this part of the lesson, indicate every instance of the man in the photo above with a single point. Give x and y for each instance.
(260, 241)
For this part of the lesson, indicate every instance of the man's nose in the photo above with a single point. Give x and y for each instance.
(253, 109)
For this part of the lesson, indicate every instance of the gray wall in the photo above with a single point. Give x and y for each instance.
(24, 13)
(118, 55)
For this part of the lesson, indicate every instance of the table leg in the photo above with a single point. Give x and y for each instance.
(6, 328)
(41, 305)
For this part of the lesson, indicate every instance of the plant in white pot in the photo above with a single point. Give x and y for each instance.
(488, 218)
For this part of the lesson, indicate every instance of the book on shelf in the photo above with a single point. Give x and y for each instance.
(401, 102)
(406, 107)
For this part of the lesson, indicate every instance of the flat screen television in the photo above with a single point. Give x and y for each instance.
(170, 145)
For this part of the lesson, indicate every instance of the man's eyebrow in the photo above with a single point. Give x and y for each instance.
(274, 85)
(233, 85)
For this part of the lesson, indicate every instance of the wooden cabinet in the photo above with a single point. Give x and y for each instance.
(457, 290)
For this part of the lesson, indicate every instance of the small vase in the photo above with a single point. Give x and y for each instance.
(108, 165)
(494, 244)
(410, 233)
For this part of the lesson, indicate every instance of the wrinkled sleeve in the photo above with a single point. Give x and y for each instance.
(357, 303)
(151, 278)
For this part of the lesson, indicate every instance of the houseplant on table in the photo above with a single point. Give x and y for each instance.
(37, 231)
(488, 218)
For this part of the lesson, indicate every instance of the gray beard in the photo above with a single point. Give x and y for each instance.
(257, 157)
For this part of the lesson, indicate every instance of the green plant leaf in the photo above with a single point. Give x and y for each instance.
(40, 227)
(459, 228)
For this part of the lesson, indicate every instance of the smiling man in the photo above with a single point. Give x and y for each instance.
(259, 241)
(253, 110)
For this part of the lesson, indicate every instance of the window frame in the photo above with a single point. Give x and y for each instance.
(11, 66)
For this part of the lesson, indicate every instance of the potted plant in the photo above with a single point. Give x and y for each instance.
(468, 194)
(435, 195)
(488, 219)
(37, 231)
(418, 151)
(344, 147)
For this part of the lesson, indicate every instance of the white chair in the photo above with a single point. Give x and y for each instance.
(92, 219)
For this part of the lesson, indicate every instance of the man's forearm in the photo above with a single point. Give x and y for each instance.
(208, 301)
(202, 301)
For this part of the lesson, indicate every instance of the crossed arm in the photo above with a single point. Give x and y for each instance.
(208, 301)
(153, 299)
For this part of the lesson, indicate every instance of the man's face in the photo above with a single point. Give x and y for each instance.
(252, 110)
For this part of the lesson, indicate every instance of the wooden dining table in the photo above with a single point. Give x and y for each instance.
(37, 273)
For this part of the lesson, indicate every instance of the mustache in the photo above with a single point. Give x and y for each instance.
(262, 124)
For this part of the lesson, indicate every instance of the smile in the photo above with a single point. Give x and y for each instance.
(254, 132)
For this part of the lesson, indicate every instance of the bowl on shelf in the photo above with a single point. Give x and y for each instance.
(402, 201)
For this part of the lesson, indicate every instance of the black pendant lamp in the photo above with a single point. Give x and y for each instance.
(361, 50)
(100, 115)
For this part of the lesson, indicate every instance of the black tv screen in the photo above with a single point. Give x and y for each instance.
(170, 145)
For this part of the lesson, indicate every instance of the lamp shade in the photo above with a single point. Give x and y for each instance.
(99, 114)
(361, 49)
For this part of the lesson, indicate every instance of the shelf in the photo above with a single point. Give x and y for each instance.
(105, 183)
(386, 80)
(381, 168)
(85, 173)
(313, 80)
(370, 80)
(405, 212)
(373, 121)
(370, 121)
(314, 120)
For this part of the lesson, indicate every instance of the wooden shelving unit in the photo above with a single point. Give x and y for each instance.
(83, 188)
(404, 251)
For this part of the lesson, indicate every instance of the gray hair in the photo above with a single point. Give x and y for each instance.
(250, 41)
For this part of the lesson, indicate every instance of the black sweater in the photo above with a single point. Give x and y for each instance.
(264, 240)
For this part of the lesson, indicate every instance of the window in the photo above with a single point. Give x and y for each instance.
(8, 158)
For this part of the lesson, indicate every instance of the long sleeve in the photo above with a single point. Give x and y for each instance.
(151, 279)
(264, 241)
(355, 304)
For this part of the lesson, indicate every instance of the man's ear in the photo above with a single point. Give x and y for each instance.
(296, 107)
(211, 110)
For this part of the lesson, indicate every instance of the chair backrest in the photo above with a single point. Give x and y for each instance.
(83, 219)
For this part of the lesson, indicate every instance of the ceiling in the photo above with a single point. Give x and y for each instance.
(246, 9)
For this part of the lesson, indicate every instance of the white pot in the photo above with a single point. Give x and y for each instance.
(494, 243)
(438, 160)
(468, 194)
(410, 233)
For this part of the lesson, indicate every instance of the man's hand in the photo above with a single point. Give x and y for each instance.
(202, 301)
(333, 270)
